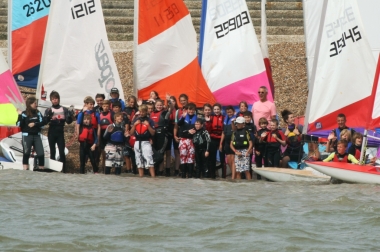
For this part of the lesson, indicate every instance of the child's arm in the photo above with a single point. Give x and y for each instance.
(221, 142)
(95, 141)
(250, 148)
(329, 158)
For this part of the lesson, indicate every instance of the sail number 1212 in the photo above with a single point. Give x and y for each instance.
(83, 9)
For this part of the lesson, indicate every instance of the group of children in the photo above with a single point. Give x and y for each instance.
(141, 136)
(140, 133)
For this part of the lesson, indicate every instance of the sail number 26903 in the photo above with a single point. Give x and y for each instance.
(83, 9)
(232, 24)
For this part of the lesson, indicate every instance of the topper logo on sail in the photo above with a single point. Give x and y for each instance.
(106, 74)
(348, 16)
(224, 8)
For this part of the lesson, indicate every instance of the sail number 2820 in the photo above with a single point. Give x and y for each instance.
(36, 6)
(83, 9)
(232, 24)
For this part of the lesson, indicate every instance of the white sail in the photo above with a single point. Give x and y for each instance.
(369, 12)
(343, 69)
(77, 60)
(229, 52)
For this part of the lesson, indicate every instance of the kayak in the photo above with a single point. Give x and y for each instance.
(287, 175)
(348, 172)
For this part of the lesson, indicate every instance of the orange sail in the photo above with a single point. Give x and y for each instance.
(166, 52)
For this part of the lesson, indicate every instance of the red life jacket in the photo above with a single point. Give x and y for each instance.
(142, 132)
(94, 121)
(86, 135)
(179, 114)
(216, 126)
(172, 117)
(130, 111)
(105, 120)
(156, 116)
(271, 139)
(344, 159)
(357, 153)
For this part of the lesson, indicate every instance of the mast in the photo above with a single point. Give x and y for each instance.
(314, 70)
(135, 43)
(9, 32)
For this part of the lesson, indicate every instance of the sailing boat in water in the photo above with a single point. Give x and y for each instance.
(77, 61)
(342, 81)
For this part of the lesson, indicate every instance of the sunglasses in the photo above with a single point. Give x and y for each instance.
(261, 92)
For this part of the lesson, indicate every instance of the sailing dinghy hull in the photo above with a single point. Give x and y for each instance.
(11, 148)
(348, 172)
(290, 175)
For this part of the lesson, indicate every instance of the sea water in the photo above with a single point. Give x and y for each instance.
(62, 212)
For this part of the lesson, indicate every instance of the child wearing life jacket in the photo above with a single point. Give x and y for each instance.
(143, 130)
(214, 125)
(99, 98)
(88, 108)
(160, 117)
(115, 136)
(274, 138)
(130, 111)
(201, 140)
(115, 97)
(131, 107)
(251, 128)
(186, 146)
(260, 145)
(183, 100)
(57, 116)
(341, 155)
(292, 132)
(173, 106)
(241, 144)
(106, 118)
(31, 122)
(88, 139)
(225, 140)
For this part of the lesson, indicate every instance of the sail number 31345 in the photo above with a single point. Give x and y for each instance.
(337, 46)
(232, 24)
(83, 9)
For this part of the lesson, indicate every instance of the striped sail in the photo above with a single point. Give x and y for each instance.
(230, 55)
(26, 33)
(166, 52)
(77, 60)
(10, 96)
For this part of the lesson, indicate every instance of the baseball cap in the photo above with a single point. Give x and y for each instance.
(240, 119)
(114, 90)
